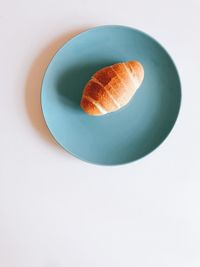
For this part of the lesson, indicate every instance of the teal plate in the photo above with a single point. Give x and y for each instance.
(122, 136)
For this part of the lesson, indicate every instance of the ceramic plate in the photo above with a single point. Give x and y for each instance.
(122, 136)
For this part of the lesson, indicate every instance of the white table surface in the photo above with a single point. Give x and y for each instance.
(57, 211)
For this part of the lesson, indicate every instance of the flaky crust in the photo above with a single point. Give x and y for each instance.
(112, 87)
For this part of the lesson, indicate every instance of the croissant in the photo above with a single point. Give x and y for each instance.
(111, 88)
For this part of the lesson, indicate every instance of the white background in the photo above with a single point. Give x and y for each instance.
(57, 211)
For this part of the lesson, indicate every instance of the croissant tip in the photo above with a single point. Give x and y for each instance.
(138, 68)
(89, 108)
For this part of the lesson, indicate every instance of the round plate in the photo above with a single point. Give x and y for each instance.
(127, 134)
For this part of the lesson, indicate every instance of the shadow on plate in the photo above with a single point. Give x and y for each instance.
(34, 81)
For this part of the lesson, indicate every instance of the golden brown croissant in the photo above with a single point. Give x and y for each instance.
(112, 87)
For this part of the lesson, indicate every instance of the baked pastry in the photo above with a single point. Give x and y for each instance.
(111, 88)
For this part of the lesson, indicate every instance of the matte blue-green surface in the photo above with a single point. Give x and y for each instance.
(122, 136)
